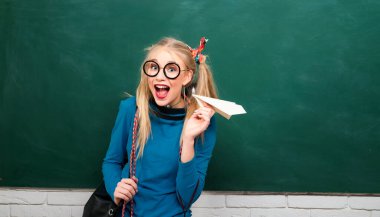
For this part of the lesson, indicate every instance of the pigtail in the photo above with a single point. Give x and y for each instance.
(142, 102)
(205, 82)
(204, 85)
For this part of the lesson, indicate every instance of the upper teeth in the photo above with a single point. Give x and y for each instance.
(161, 86)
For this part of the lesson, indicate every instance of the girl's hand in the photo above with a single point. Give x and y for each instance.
(125, 190)
(198, 122)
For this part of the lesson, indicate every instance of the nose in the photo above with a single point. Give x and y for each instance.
(161, 75)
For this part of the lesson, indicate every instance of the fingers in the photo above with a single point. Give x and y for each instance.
(206, 118)
(205, 104)
(130, 182)
(208, 110)
(125, 189)
(205, 113)
(205, 122)
(134, 178)
(126, 196)
(198, 122)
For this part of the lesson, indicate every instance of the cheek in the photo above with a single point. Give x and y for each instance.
(176, 86)
(150, 83)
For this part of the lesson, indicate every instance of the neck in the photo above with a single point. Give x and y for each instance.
(178, 104)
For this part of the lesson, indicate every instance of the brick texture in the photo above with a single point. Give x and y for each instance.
(279, 212)
(68, 198)
(70, 203)
(368, 203)
(5, 211)
(221, 212)
(339, 213)
(322, 202)
(210, 201)
(256, 201)
(22, 197)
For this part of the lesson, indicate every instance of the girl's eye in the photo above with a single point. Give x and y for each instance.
(153, 67)
(172, 68)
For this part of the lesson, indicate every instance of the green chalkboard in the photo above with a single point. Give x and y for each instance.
(307, 72)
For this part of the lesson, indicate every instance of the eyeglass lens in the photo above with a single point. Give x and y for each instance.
(171, 70)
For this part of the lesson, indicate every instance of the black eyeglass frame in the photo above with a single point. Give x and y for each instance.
(159, 68)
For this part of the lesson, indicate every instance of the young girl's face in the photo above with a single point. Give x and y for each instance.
(166, 89)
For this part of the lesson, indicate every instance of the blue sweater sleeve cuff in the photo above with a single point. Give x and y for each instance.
(111, 186)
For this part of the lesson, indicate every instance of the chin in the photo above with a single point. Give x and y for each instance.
(161, 102)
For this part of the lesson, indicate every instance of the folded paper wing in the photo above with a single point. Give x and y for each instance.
(223, 107)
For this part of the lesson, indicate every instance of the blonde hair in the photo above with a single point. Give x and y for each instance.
(202, 81)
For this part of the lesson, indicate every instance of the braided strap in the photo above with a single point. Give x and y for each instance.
(132, 160)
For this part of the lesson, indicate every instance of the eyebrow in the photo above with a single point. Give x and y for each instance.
(165, 63)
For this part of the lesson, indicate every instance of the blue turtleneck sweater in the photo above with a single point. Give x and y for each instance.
(166, 186)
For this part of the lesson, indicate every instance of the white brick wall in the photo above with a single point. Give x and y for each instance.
(42, 203)
(317, 202)
(70, 203)
(364, 203)
(375, 214)
(265, 201)
(68, 198)
(22, 197)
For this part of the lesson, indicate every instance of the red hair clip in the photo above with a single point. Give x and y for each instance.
(197, 53)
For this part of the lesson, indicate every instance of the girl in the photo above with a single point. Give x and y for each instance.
(175, 136)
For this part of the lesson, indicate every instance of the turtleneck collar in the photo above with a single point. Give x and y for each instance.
(166, 112)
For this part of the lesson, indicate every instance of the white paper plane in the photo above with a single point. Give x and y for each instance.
(223, 107)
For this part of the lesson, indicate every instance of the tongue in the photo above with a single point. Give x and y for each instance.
(162, 93)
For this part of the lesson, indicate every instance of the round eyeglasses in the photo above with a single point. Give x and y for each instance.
(171, 69)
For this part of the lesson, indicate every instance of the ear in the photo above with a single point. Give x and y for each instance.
(188, 77)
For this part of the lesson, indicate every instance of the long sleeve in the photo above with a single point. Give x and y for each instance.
(191, 175)
(113, 162)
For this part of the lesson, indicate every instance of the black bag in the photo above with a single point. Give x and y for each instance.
(100, 204)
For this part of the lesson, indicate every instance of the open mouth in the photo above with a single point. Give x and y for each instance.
(161, 90)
